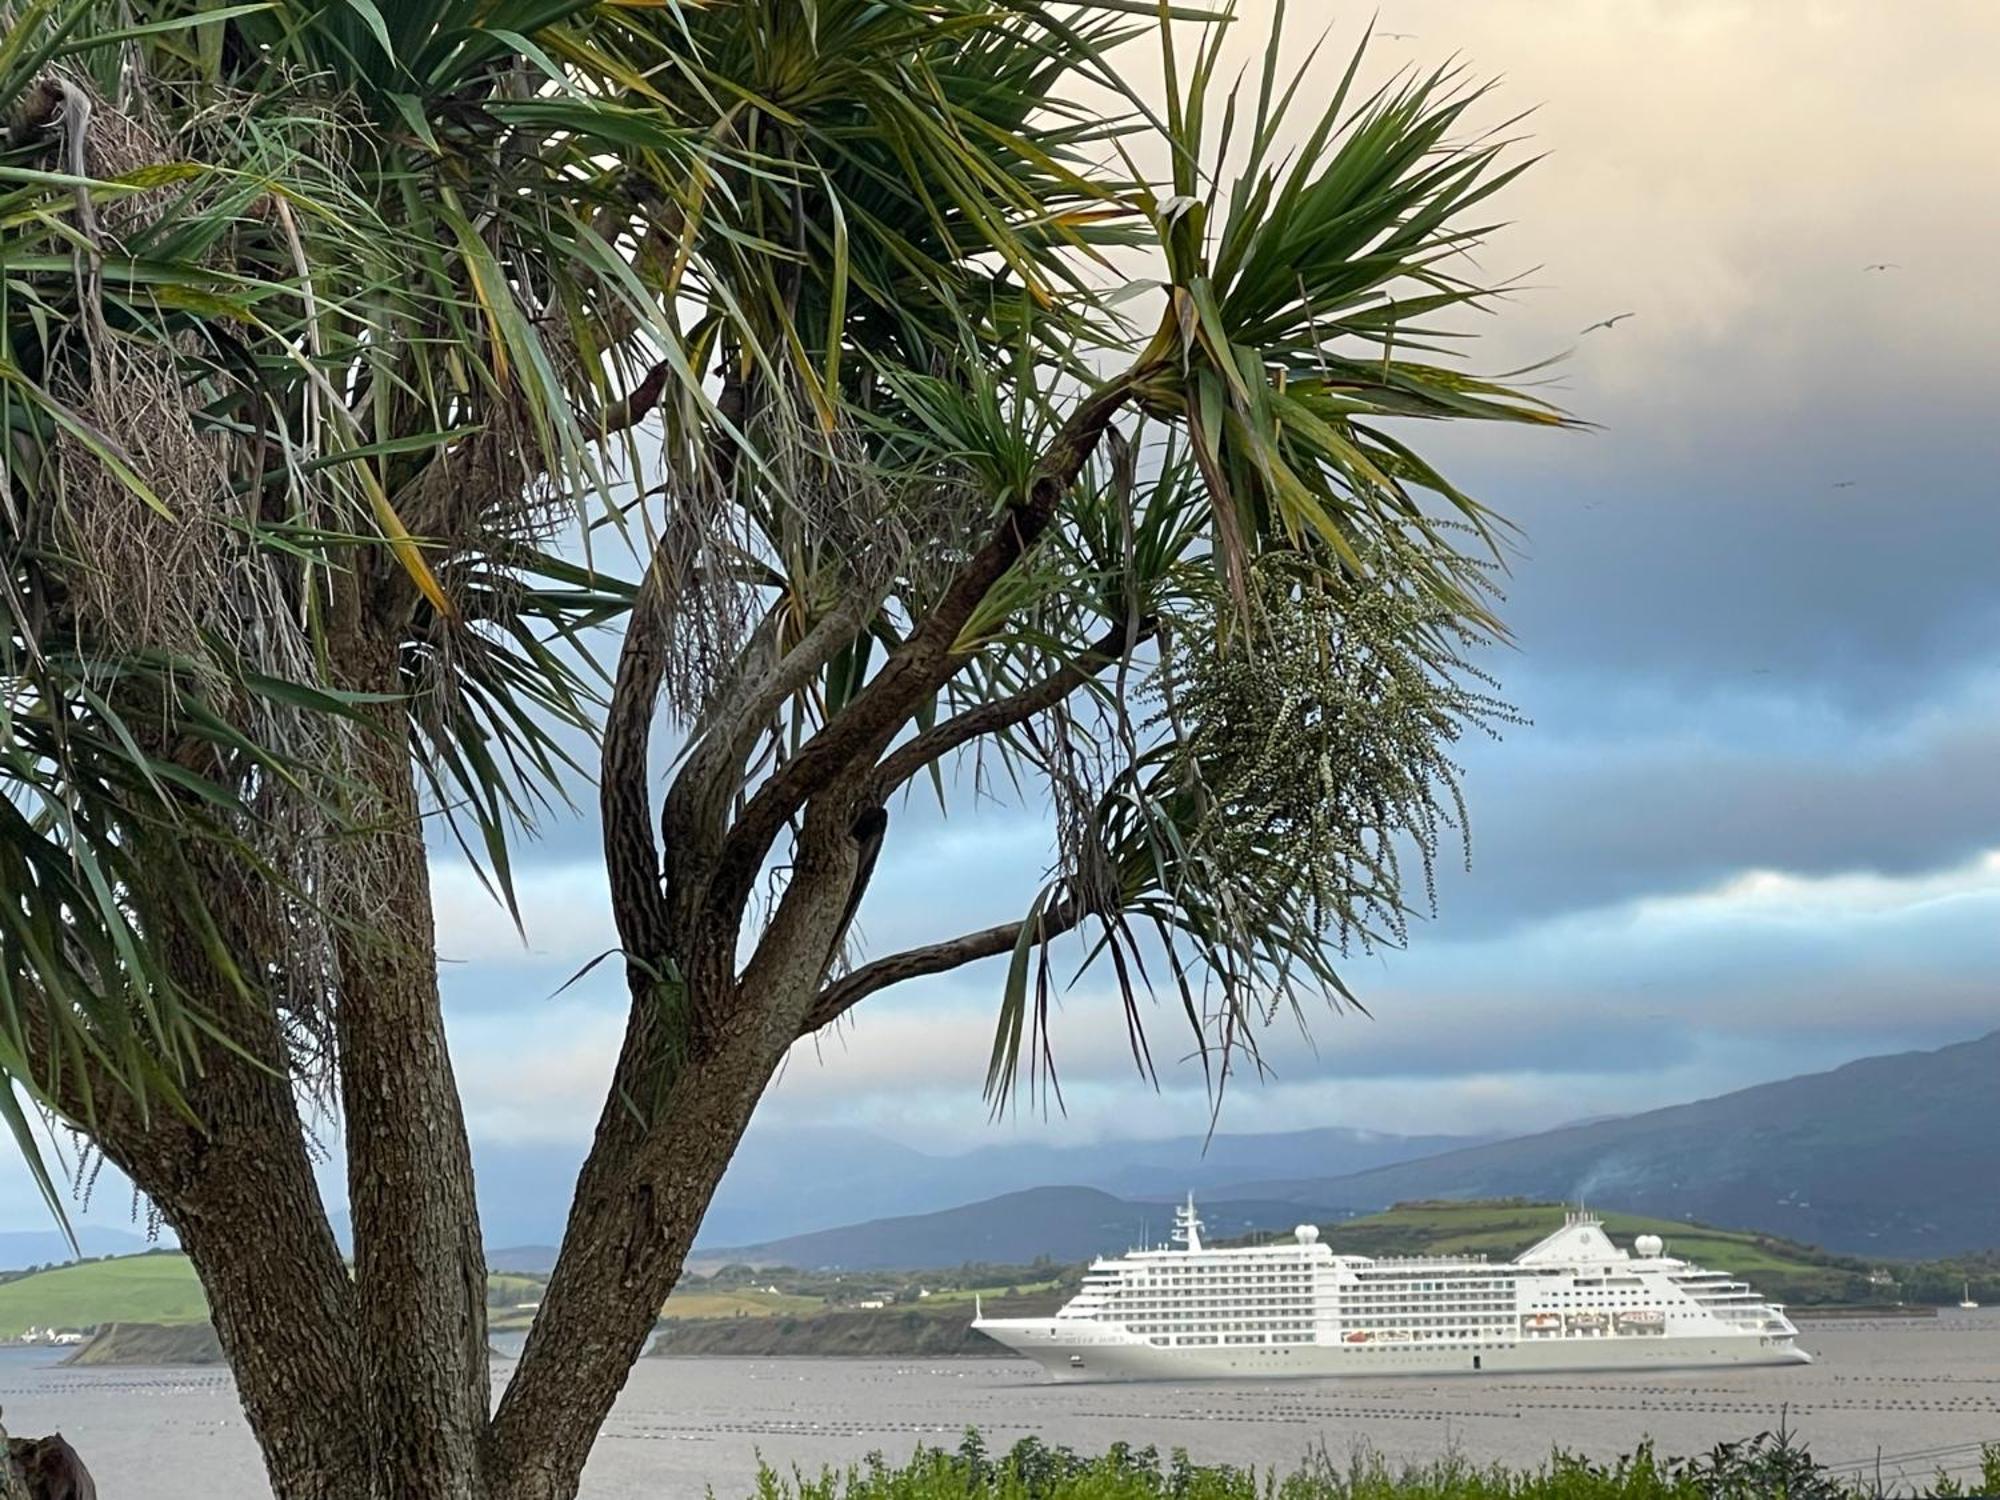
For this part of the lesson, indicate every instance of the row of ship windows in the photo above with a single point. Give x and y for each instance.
(1141, 1301)
(1164, 1283)
(1426, 1321)
(1402, 1299)
(1127, 1305)
(1287, 1336)
(1157, 1318)
(1168, 1325)
(1155, 1324)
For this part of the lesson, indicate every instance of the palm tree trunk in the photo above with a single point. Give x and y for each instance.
(239, 1192)
(234, 1177)
(670, 1124)
(638, 1205)
(364, 1386)
(249, 1216)
(419, 1267)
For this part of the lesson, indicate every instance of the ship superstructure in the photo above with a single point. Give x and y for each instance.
(1575, 1301)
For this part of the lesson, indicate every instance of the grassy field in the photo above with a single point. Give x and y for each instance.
(692, 1300)
(159, 1288)
(505, 1289)
(130, 1289)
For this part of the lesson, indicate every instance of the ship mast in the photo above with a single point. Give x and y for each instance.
(1187, 1227)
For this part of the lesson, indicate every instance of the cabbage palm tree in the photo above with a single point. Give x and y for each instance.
(942, 431)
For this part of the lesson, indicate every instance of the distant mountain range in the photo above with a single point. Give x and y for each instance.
(1063, 1223)
(20, 1248)
(1891, 1156)
(1895, 1156)
(785, 1182)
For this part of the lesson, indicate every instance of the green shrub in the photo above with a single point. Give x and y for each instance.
(1770, 1466)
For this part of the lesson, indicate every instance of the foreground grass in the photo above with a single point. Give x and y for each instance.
(1772, 1466)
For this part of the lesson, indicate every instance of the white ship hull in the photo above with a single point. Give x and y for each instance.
(1294, 1310)
(1058, 1350)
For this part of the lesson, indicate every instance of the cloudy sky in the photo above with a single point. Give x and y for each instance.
(1754, 829)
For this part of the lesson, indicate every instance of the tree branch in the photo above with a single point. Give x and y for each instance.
(632, 858)
(625, 804)
(924, 662)
(698, 802)
(1005, 713)
(633, 407)
(936, 958)
(438, 491)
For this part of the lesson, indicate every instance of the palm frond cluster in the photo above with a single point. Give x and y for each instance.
(319, 323)
(1317, 745)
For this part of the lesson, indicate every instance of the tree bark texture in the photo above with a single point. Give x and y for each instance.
(638, 1205)
(12, 1485)
(239, 1191)
(652, 1170)
(419, 1267)
(369, 1385)
(249, 1216)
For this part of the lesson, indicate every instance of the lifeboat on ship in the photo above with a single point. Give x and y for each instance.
(1642, 1322)
(1543, 1322)
(1359, 1336)
(1588, 1322)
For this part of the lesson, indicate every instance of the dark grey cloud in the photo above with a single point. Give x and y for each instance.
(1562, 824)
(1743, 567)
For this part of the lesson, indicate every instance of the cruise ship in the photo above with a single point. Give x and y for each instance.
(1575, 1301)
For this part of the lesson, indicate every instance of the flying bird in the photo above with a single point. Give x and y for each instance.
(1398, 36)
(1883, 265)
(1610, 322)
(1844, 484)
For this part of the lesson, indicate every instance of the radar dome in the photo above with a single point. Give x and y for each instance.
(1308, 1234)
(1649, 1245)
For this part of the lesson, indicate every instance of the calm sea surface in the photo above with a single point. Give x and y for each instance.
(1919, 1394)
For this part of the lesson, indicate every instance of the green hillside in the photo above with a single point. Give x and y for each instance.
(156, 1288)
(160, 1288)
(887, 1333)
(150, 1344)
(1502, 1229)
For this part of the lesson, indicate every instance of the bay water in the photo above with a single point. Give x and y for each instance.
(1906, 1397)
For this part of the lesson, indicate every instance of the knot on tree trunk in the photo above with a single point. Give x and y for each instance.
(45, 1468)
